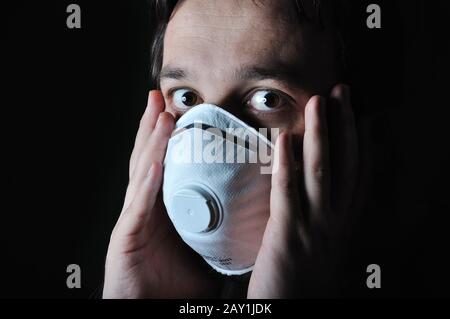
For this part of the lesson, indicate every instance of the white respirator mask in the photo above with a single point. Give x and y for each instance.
(217, 185)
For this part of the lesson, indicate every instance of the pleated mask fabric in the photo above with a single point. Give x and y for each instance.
(214, 188)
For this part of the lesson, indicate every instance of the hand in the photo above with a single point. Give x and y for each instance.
(309, 208)
(146, 257)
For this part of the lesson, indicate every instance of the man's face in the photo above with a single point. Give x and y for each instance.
(252, 58)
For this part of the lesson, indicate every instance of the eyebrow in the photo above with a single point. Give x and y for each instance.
(280, 72)
(168, 72)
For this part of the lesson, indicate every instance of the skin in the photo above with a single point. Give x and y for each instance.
(225, 51)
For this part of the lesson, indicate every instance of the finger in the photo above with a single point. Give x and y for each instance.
(154, 150)
(284, 196)
(138, 212)
(316, 160)
(344, 148)
(155, 105)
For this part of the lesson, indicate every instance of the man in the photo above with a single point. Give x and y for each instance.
(227, 53)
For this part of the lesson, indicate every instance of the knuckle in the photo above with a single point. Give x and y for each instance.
(165, 122)
(319, 171)
(135, 208)
(143, 120)
(286, 183)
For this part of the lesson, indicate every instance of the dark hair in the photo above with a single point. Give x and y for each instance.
(161, 11)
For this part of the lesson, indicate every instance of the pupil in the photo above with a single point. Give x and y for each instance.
(271, 99)
(188, 98)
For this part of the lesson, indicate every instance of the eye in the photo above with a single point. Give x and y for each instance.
(265, 100)
(184, 99)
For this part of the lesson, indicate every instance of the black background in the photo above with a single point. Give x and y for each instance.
(71, 107)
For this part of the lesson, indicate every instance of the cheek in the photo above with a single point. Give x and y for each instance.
(169, 108)
(290, 120)
(295, 123)
(297, 131)
(297, 128)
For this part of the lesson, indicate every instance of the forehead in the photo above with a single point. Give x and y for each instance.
(235, 31)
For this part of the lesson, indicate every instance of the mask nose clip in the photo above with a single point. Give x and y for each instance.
(194, 209)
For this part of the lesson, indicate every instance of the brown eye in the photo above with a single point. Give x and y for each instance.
(184, 99)
(265, 100)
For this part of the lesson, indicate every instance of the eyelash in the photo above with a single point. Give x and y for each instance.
(247, 98)
(286, 98)
(172, 90)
